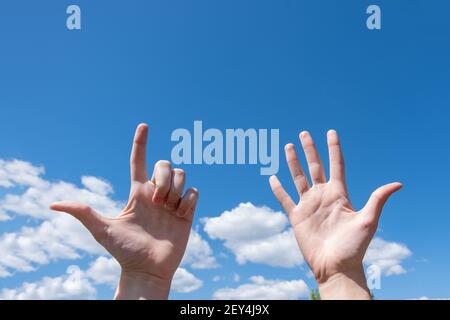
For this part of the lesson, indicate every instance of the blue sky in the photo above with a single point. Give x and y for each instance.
(70, 101)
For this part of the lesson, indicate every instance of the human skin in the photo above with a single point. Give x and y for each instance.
(149, 237)
(332, 236)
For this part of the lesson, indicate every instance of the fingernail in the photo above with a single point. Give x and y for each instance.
(304, 134)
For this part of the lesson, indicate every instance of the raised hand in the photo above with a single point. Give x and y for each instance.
(332, 236)
(149, 237)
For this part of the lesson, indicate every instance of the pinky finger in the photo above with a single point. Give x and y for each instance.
(188, 203)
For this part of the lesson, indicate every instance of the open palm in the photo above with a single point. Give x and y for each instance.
(150, 235)
(332, 236)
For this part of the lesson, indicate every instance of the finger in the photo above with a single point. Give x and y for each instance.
(312, 157)
(337, 168)
(162, 178)
(282, 196)
(176, 189)
(377, 200)
(95, 223)
(300, 180)
(190, 213)
(138, 162)
(188, 203)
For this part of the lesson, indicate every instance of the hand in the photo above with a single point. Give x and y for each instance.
(149, 237)
(332, 236)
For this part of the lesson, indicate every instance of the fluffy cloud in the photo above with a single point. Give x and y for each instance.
(256, 234)
(185, 282)
(79, 284)
(59, 236)
(35, 200)
(262, 289)
(16, 172)
(387, 256)
(104, 271)
(253, 234)
(24, 250)
(199, 254)
(97, 185)
(260, 235)
(246, 222)
(73, 285)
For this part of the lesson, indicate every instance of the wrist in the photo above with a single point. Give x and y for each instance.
(345, 285)
(142, 286)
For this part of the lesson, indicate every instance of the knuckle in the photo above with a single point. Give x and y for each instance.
(163, 164)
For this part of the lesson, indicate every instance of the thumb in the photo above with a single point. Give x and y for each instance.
(378, 199)
(94, 222)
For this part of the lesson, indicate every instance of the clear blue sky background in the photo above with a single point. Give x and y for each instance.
(70, 100)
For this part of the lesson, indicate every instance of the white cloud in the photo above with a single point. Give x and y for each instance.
(246, 222)
(427, 298)
(236, 277)
(256, 234)
(20, 173)
(279, 250)
(185, 282)
(79, 284)
(73, 285)
(387, 256)
(104, 271)
(4, 216)
(262, 289)
(96, 185)
(34, 201)
(59, 236)
(23, 250)
(253, 234)
(199, 254)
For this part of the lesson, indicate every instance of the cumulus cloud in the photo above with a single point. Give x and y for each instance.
(246, 222)
(58, 236)
(96, 185)
(260, 235)
(104, 270)
(256, 234)
(253, 234)
(16, 172)
(80, 284)
(185, 282)
(261, 289)
(199, 254)
(387, 256)
(73, 285)
(24, 250)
